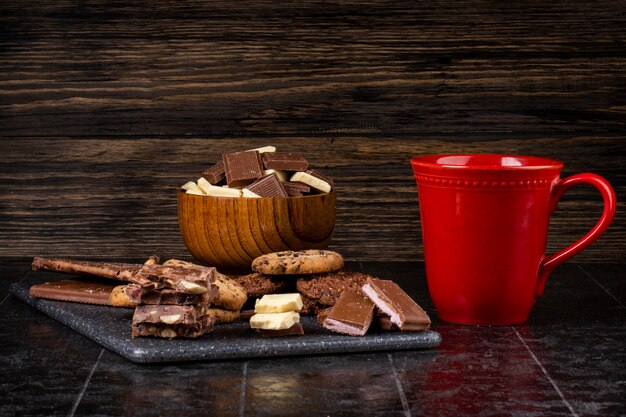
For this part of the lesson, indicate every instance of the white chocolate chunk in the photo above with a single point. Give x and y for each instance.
(278, 303)
(282, 175)
(192, 188)
(216, 191)
(264, 149)
(170, 318)
(194, 192)
(274, 321)
(311, 181)
(247, 193)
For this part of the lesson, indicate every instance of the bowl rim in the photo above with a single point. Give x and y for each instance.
(181, 191)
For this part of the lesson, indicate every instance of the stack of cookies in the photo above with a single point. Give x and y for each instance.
(316, 274)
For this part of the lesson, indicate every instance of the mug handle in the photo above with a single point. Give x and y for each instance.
(549, 263)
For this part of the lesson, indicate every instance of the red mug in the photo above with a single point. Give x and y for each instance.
(485, 227)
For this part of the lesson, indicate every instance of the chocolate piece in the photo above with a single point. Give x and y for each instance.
(167, 296)
(170, 331)
(274, 321)
(296, 189)
(215, 174)
(295, 330)
(403, 312)
(286, 161)
(191, 280)
(74, 290)
(315, 183)
(278, 303)
(268, 186)
(322, 315)
(242, 168)
(352, 314)
(168, 314)
(321, 176)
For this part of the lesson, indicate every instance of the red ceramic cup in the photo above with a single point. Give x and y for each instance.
(485, 226)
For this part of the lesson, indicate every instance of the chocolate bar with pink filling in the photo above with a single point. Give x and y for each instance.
(352, 314)
(403, 312)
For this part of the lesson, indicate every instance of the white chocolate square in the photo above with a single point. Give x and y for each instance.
(274, 321)
(311, 181)
(278, 303)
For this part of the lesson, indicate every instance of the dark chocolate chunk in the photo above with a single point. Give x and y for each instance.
(285, 161)
(296, 189)
(404, 313)
(242, 168)
(268, 186)
(215, 174)
(295, 330)
(352, 314)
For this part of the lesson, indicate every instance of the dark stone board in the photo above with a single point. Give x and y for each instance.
(110, 327)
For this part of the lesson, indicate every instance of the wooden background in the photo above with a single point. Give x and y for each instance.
(106, 107)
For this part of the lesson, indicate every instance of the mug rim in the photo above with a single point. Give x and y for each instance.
(485, 162)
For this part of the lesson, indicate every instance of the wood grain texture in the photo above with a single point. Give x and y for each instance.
(107, 198)
(219, 68)
(107, 107)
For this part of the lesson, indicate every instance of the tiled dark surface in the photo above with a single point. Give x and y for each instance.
(567, 360)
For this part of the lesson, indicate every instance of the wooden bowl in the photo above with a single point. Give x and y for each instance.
(229, 233)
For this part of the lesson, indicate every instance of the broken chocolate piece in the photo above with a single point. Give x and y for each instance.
(296, 189)
(170, 331)
(403, 312)
(352, 314)
(286, 161)
(242, 168)
(295, 330)
(168, 314)
(166, 296)
(215, 174)
(190, 280)
(73, 290)
(268, 186)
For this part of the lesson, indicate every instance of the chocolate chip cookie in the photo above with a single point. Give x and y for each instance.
(312, 261)
(257, 285)
(326, 288)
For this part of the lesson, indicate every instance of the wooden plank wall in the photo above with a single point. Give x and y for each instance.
(106, 107)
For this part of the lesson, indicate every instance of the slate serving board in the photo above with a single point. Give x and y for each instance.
(110, 327)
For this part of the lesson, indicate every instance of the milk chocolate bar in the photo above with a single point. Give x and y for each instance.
(403, 312)
(170, 331)
(74, 290)
(352, 314)
(285, 161)
(242, 168)
(215, 174)
(268, 186)
(295, 330)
